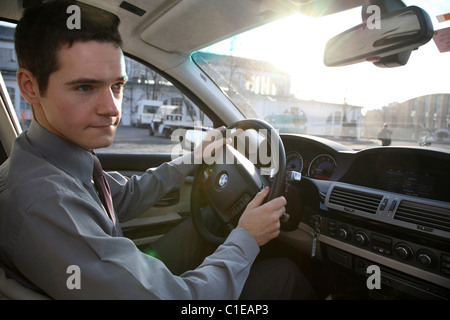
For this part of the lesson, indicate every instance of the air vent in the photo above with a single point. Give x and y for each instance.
(352, 200)
(426, 217)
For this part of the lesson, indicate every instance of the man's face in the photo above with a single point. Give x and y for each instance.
(82, 103)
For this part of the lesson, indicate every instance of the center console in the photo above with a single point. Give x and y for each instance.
(420, 269)
(358, 229)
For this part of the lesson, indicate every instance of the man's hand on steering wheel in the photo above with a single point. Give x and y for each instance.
(263, 220)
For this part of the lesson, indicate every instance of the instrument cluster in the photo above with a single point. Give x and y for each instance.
(318, 166)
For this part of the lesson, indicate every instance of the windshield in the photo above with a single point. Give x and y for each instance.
(276, 73)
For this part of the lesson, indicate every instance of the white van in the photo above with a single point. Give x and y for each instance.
(164, 115)
(142, 115)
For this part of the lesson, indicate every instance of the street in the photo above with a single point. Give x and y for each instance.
(137, 140)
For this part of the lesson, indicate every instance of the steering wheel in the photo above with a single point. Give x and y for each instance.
(231, 181)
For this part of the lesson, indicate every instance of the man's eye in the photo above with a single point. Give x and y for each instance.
(84, 88)
(118, 86)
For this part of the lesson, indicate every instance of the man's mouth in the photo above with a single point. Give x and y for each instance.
(112, 123)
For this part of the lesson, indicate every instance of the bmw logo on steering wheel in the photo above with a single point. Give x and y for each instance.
(223, 179)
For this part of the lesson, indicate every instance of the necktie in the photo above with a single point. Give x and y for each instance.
(103, 188)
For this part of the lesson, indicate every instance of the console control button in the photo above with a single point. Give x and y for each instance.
(426, 258)
(403, 251)
(344, 232)
(361, 238)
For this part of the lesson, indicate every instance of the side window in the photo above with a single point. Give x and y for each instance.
(152, 109)
(8, 69)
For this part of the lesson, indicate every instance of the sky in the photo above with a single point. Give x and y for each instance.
(297, 45)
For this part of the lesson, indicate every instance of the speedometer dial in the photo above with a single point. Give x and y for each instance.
(322, 167)
(294, 161)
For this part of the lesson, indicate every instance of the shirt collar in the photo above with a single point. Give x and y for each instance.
(65, 155)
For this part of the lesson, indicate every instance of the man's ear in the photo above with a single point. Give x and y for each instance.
(28, 86)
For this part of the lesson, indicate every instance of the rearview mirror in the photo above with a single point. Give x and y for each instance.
(398, 32)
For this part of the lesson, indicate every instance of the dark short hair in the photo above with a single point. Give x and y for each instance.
(43, 30)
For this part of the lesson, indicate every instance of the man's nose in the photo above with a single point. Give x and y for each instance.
(109, 104)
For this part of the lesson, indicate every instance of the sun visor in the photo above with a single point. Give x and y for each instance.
(194, 24)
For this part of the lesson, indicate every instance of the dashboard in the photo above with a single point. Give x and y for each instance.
(387, 206)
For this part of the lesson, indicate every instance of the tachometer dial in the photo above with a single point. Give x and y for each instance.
(322, 167)
(294, 161)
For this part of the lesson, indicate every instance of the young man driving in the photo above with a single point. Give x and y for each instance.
(51, 215)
